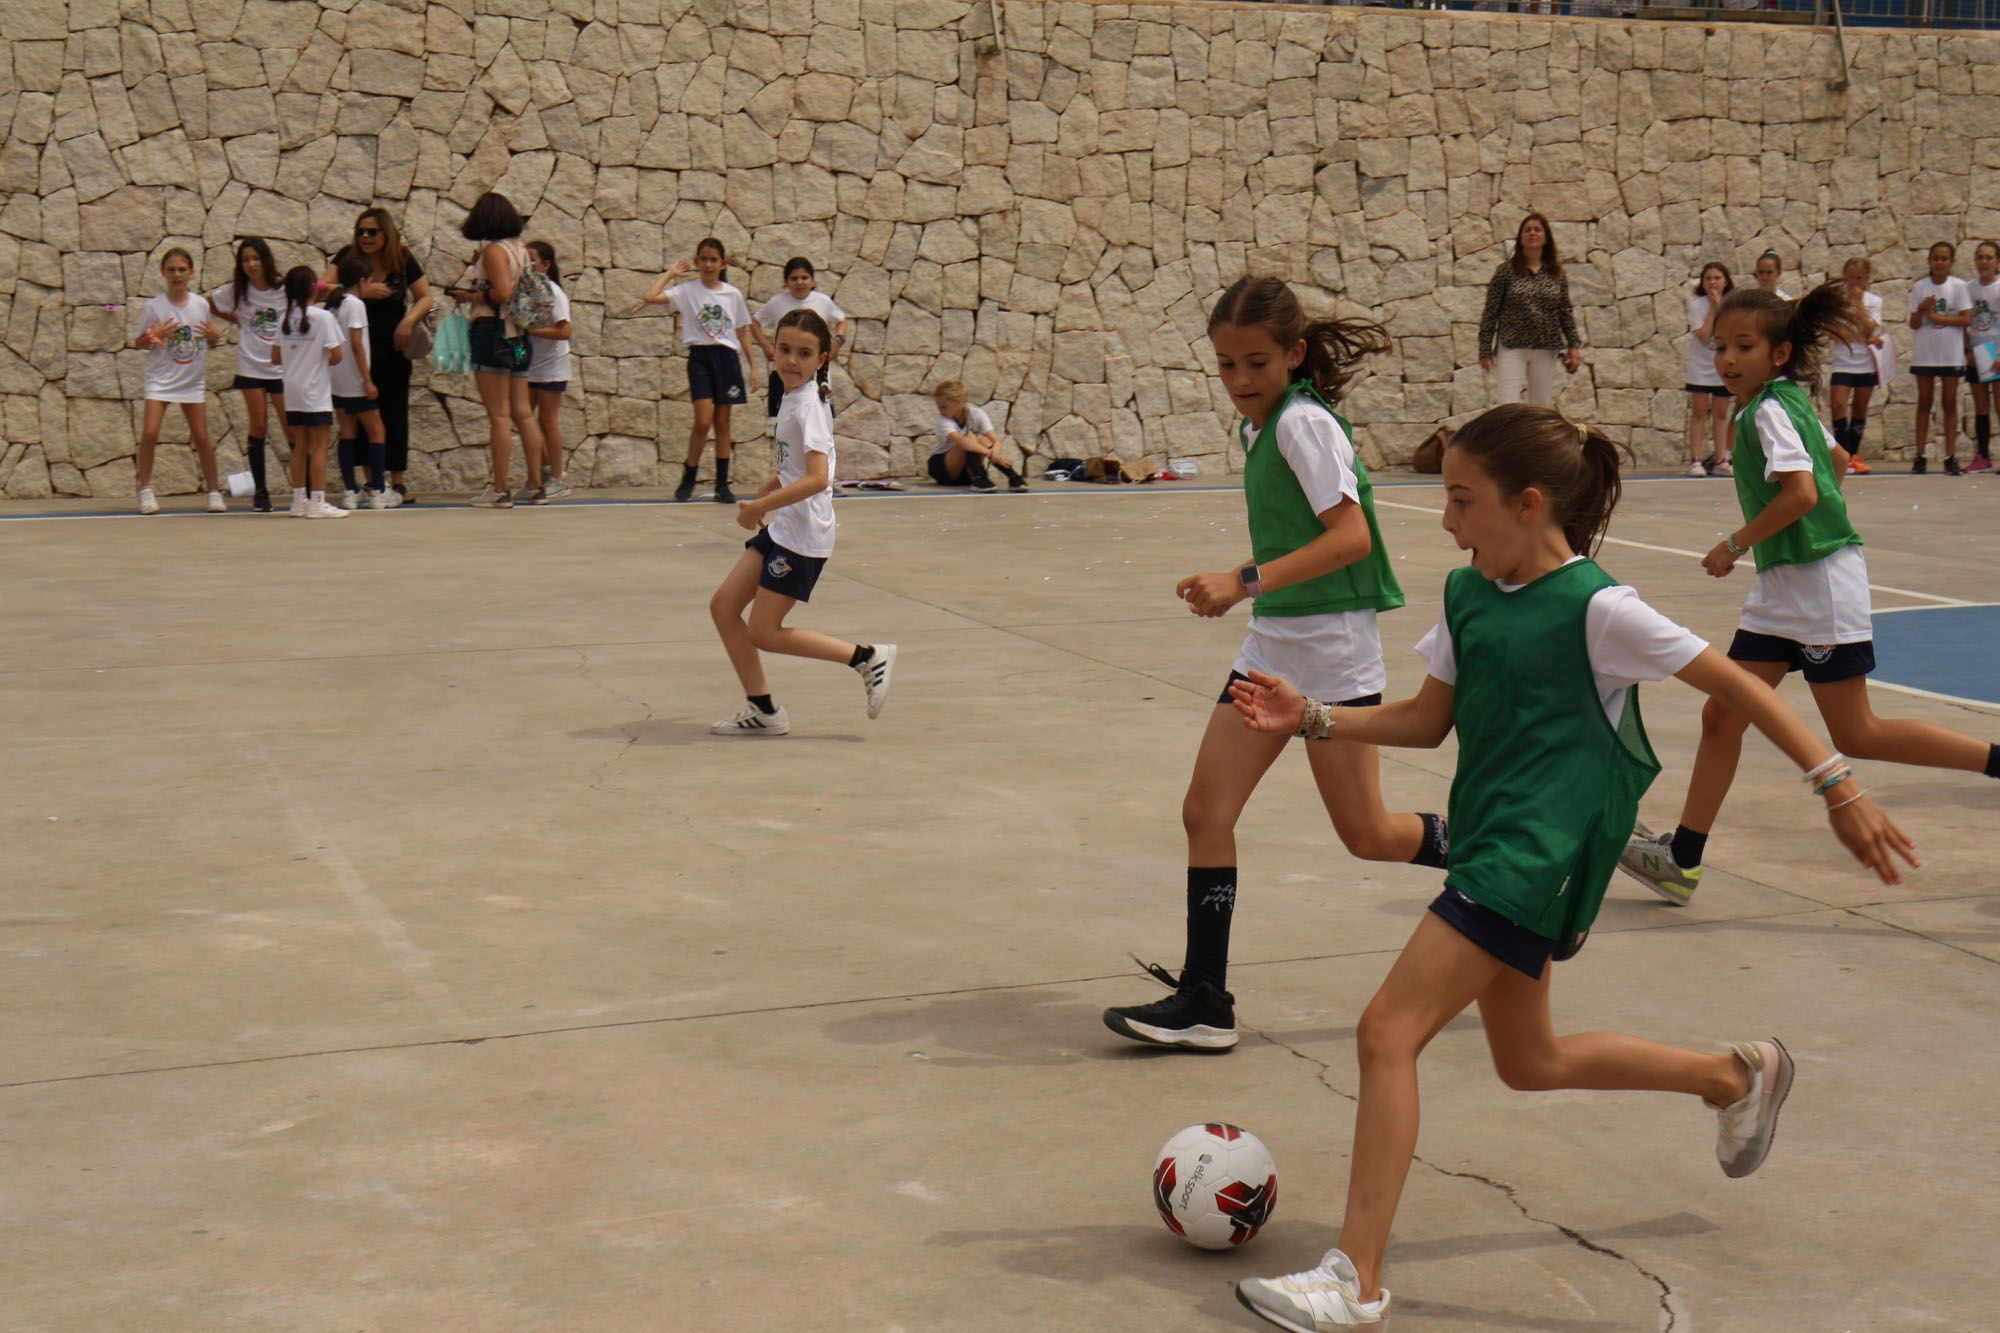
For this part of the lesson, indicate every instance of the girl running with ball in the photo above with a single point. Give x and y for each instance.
(1535, 663)
(1316, 577)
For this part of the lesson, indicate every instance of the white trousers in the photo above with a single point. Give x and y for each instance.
(1540, 368)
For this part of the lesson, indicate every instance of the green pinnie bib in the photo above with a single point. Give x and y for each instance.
(1824, 528)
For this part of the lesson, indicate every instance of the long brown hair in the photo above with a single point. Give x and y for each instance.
(1333, 346)
(1807, 324)
(1523, 444)
(1551, 261)
(394, 257)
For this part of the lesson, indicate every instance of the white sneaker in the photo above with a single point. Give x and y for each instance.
(1747, 1125)
(351, 501)
(386, 498)
(299, 505)
(752, 721)
(216, 504)
(875, 675)
(321, 509)
(556, 490)
(492, 499)
(1695, 469)
(1723, 469)
(1319, 1300)
(147, 504)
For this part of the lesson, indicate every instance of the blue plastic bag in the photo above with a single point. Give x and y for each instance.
(452, 352)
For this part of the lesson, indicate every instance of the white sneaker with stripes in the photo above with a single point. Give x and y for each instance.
(753, 721)
(875, 674)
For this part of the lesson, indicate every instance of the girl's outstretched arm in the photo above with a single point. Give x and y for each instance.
(1266, 703)
(1858, 822)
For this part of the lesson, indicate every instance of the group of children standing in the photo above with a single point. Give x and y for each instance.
(1952, 319)
(1535, 663)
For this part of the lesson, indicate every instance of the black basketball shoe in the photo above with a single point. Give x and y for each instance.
(1196, 1017)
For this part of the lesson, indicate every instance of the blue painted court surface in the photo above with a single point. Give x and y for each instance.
(1949, 650)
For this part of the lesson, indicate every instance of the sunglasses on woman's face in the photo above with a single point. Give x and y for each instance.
(367, 231)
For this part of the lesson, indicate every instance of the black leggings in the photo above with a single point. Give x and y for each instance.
(390, 370)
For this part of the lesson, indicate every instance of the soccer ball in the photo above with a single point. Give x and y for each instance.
(1215, 1185)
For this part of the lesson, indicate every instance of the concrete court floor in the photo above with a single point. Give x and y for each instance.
(388, 946)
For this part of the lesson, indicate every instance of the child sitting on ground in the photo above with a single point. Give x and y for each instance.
(966, 443)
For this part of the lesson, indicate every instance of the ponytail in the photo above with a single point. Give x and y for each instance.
(1822, 314)
(300, 284)
(1575, 467)
(1332, 345)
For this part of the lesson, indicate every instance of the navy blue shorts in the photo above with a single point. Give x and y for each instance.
(1362, 701)
(785, 572)
(549, 386)
(1516, 946)
(1719, 390)
(308, 418)
(716, 373)
(356, 406)
(268, 386)
(1856, 379)
(1823, 663)
(1939, 372)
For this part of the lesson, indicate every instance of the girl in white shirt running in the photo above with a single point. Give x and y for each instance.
(1985, 328)
(307, 349)
(792, 519)
(175, 328)
(1940, 310)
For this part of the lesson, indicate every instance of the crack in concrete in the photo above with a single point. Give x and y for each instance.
(631, 729)
(1670, 1309)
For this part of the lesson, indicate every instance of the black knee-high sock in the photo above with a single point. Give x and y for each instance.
(1840, 428)
(1993, 761)
(975, 468)
(378, 464)
(1436, 849)
(255, 448)
(1855, 427)
(721, 473)
(347, 450)
(1211, 901)
(1982, 434)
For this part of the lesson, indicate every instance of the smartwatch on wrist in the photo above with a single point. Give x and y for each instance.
(1729, 539)
(1253, 582)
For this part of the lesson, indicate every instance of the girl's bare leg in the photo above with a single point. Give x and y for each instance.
(1925, 385)
(149, 440)
(204, 448)
(768, 632)
(1718, 412)
(735, 593)
(495, 394)
(1231, 762)
(1697, 424)
(1720, 750)
(548, 411)
(1349, 777)
(1856, 732)
(521, 408)
(704, 421)
(724, 446)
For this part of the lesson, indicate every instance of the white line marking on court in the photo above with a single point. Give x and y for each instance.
(1696, 555)
(414, 962)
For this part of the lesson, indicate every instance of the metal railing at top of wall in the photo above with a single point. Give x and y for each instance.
(1934, 15)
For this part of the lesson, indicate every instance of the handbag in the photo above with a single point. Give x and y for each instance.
(452, 351)
(423, 336)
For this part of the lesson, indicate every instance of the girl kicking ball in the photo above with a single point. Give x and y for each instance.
(1535, 663)
(792, 518)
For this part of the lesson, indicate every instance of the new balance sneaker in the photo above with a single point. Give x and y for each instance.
(1196, 1017)
(875, 675)
(1748, 1124)
(1979, 463)
(1319, 1300)
(492, 499)
(147, 504)
(753, 721)
(1697, 470)
(1649, 858)
(216, 504)
(1951, 467)
(556, 488)
(1723, 469)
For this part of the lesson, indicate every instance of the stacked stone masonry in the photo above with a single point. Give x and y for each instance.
(1044, 218)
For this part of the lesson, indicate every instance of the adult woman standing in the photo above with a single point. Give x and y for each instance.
(1528, 328)
(397, 296)
(500, 352)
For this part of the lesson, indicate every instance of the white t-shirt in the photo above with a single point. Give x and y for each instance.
(1985, 326)
(347, 378)
(257, 326)
(1335, 656)
(550, 363)
(784, 303)
(805, 426)
(1940, 344)
(710, 316)
(308, 377)
(176, 372)
(1629, 642)
(1858, 358)
(1701, 355)
(1826, 601)
(976, 423)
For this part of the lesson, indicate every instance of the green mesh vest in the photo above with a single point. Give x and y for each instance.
(1824, 528)
(1282, 520)
(1547, 790)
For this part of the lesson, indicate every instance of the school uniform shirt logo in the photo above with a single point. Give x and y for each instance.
(264, 323)
(713, 320)
(734, 393)
(778, 567)
(180, 345)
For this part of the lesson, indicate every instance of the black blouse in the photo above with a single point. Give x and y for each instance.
(386, 312)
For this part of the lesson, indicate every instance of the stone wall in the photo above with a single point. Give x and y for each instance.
(1043, 216)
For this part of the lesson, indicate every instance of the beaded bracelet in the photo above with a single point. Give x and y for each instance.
(1317, 725)
(1832, 780)
(1819, 771)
